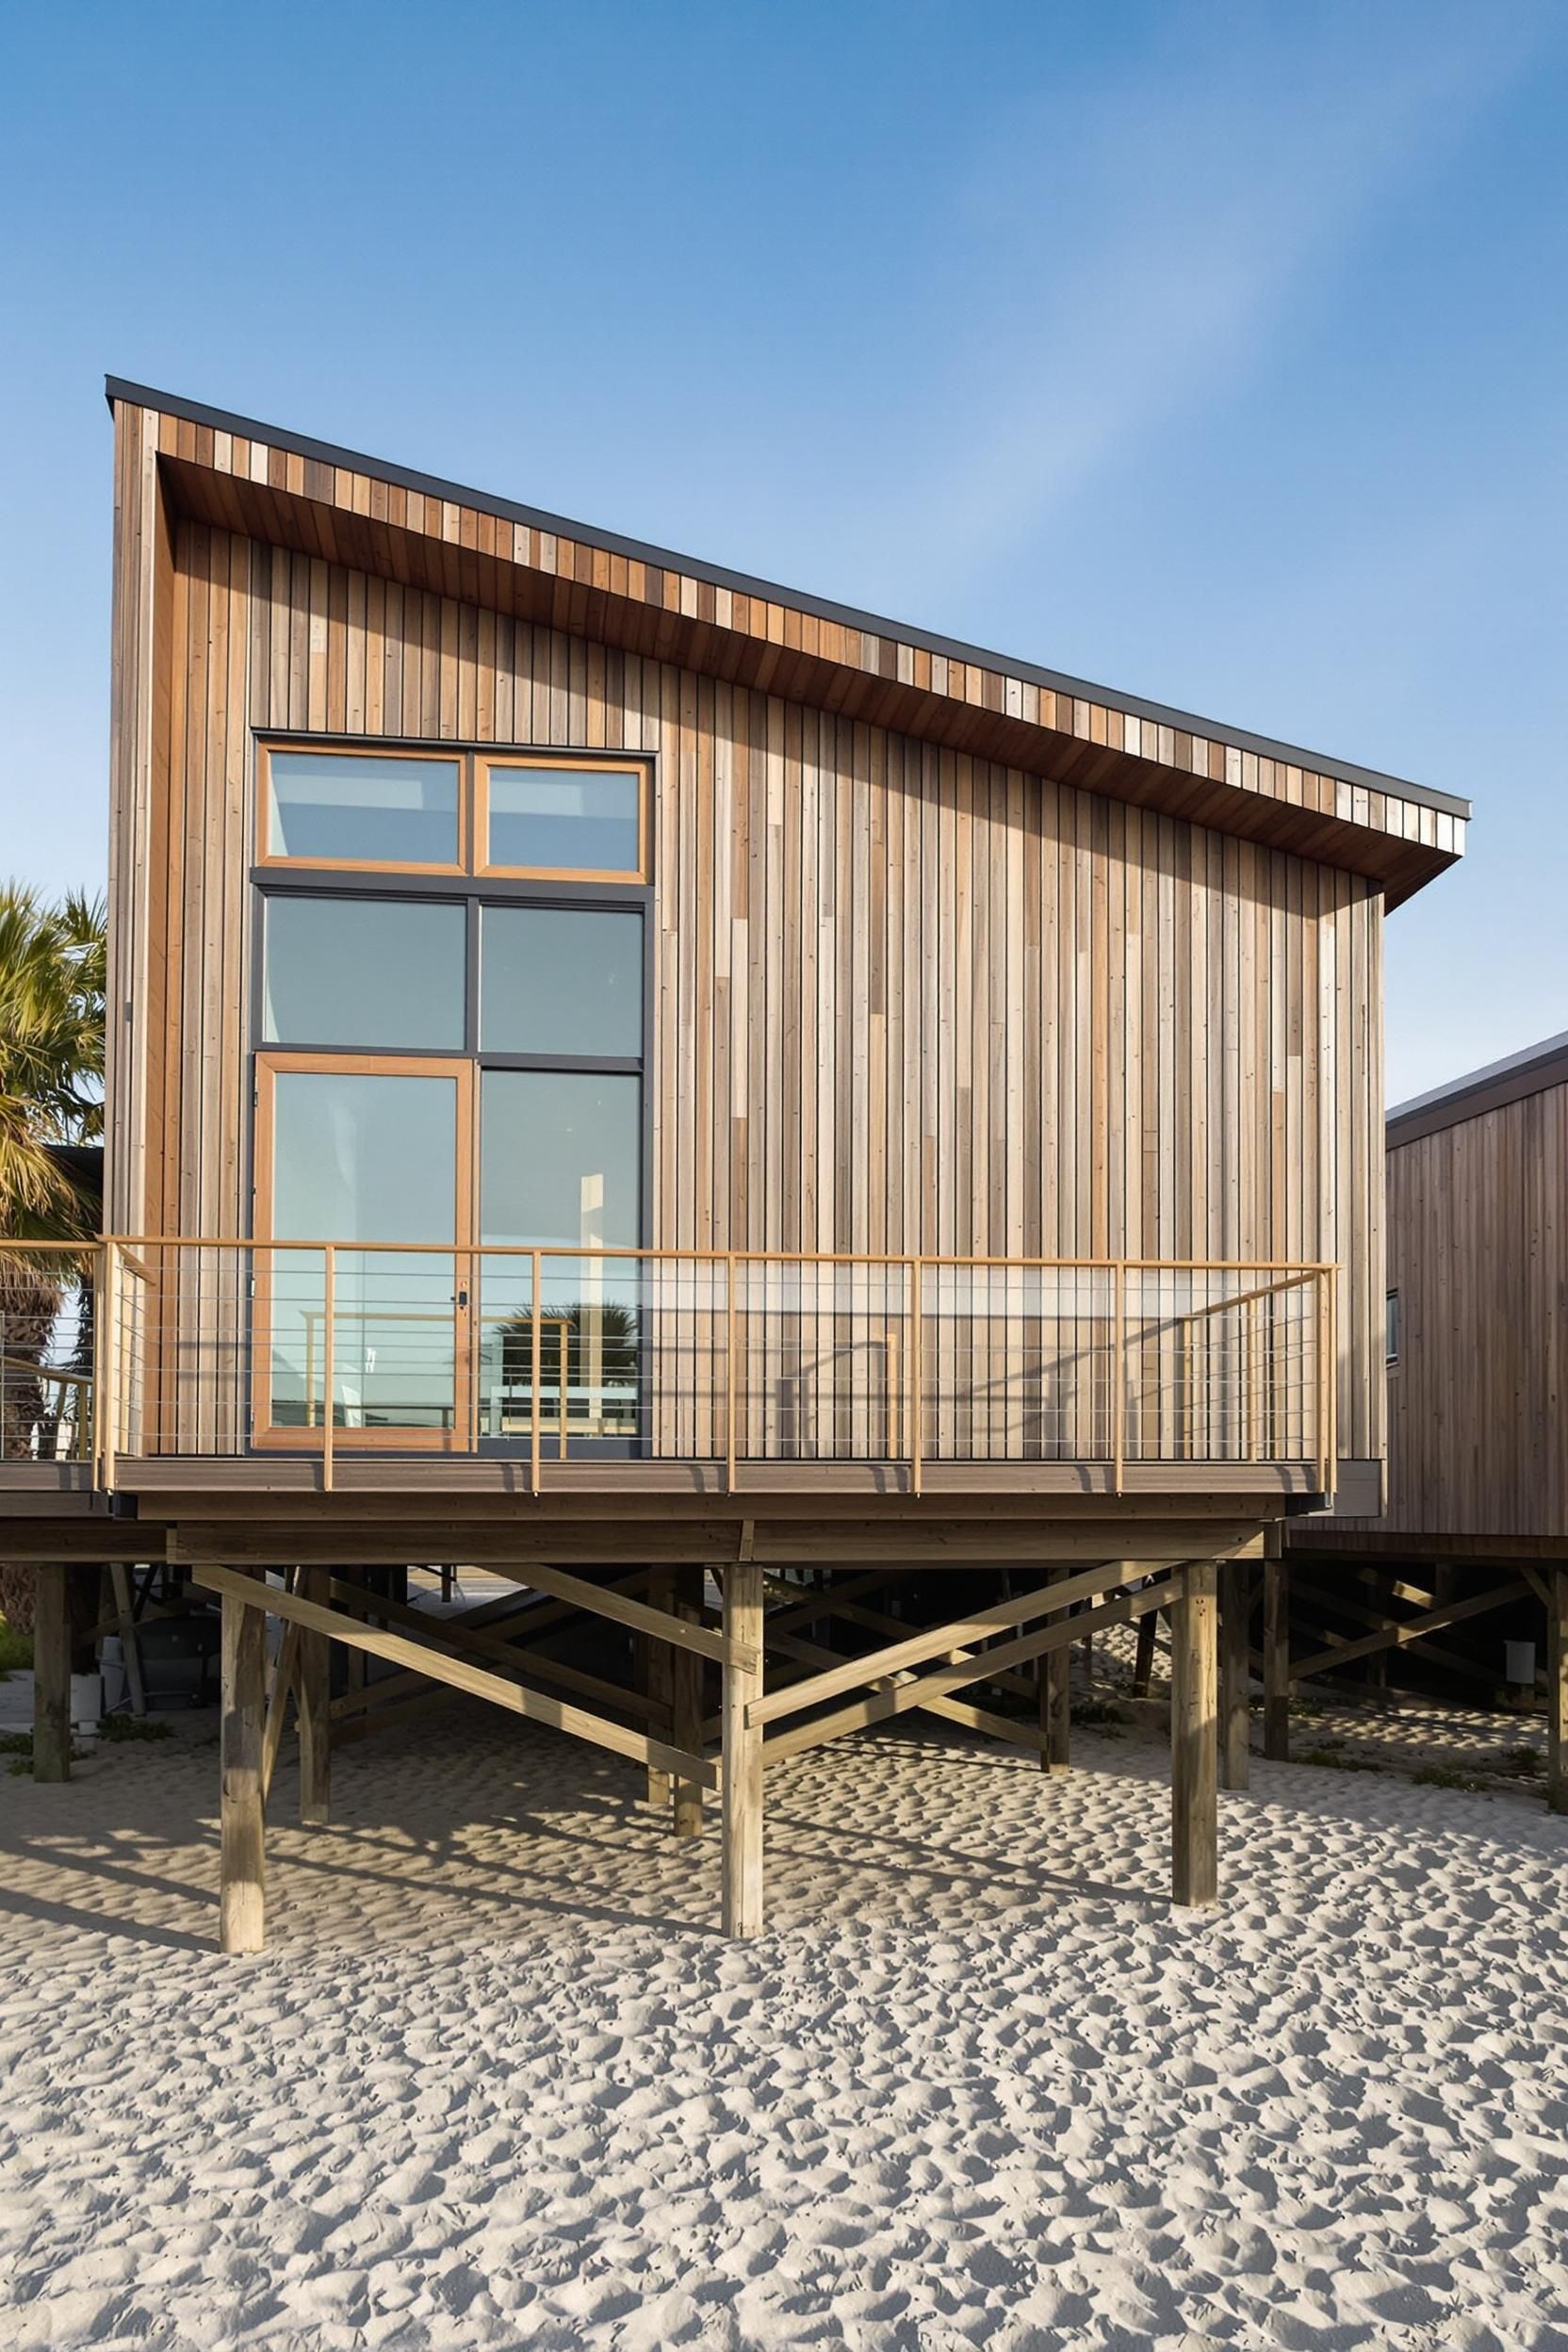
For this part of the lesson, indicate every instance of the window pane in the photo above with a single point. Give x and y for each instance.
(354, 807)
(357, 1157)
(561, 980)
(363, 971)
(560, 1158)
(577, 820)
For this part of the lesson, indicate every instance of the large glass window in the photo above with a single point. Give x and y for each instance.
(440, 1054)
(561, 980)
(363, 971)
(363, 809)
(560, 1158)
(568, 820)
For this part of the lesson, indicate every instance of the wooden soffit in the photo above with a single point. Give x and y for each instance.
(343, 508)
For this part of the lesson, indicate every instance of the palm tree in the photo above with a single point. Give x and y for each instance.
(53, 977)
(53, 974)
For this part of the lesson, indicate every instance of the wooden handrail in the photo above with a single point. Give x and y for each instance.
(1299, 1269)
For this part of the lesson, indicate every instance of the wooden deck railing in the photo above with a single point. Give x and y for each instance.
(733, 1359)
(46, 1392)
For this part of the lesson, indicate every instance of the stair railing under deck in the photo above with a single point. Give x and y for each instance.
(733, 1358)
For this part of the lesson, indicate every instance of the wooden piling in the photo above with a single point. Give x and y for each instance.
(1143, 1657)
(240, 1880)
(51, 1672)
(686, 1709)
(1055, 1671)
(313, 1702)
(1276, 1661)
(1194, 1737)
(654, 1660)
(742, 1751)
(1236, 1609)
(1556, 1688)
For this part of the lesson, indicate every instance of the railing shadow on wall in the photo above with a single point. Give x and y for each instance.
(229, 1347)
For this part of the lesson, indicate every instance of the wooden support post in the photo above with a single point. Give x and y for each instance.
(1276, 1661)
(742, 1752)
(130, 1647)
(654, 1660)
(1556, 1687)
(1194, 1737)
(686, 1709)
(1056, 1673)
(312, 1703)
(1236, 1609)
(1143, 1658)
(51, 1672)
(241, 1891)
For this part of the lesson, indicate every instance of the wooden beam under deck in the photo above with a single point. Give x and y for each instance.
(915, 1542)
(193, 1482)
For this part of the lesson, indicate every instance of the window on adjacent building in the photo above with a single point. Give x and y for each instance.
(1391, 1327)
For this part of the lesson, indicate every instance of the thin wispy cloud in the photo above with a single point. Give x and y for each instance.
(1230, 172)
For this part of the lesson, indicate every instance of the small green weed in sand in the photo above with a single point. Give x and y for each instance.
(18, 1746)
(1520, 1763)
(1329, 1755)
(122, 1727)
(1446, 1776)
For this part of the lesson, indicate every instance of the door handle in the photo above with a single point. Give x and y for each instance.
(461, 1298)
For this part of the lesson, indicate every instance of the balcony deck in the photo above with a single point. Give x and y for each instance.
(321, 1382)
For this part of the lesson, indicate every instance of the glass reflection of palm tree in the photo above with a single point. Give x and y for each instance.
(612, 1327)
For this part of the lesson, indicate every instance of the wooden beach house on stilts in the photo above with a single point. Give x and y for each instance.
(714, 1105)
(1466, 1564)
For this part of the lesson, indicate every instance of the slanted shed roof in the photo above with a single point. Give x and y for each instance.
(1490, 1088)
(280, 487)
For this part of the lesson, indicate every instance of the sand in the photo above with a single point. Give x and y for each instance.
(497, 2081)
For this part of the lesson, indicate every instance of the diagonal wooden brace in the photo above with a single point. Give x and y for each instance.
(475, 1680)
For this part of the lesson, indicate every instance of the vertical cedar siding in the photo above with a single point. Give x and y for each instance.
(1478, 1251)
(905, 999)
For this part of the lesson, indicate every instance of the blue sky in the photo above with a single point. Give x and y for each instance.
(1216, 353)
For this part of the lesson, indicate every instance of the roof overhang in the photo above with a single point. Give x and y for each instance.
(335, 504)
(1491, 1088)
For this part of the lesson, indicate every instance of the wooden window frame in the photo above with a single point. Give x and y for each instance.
(473, 767)
(279, 862)
(591, 764)
(266, 1435)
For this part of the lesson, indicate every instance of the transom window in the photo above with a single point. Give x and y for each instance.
(516, 814)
